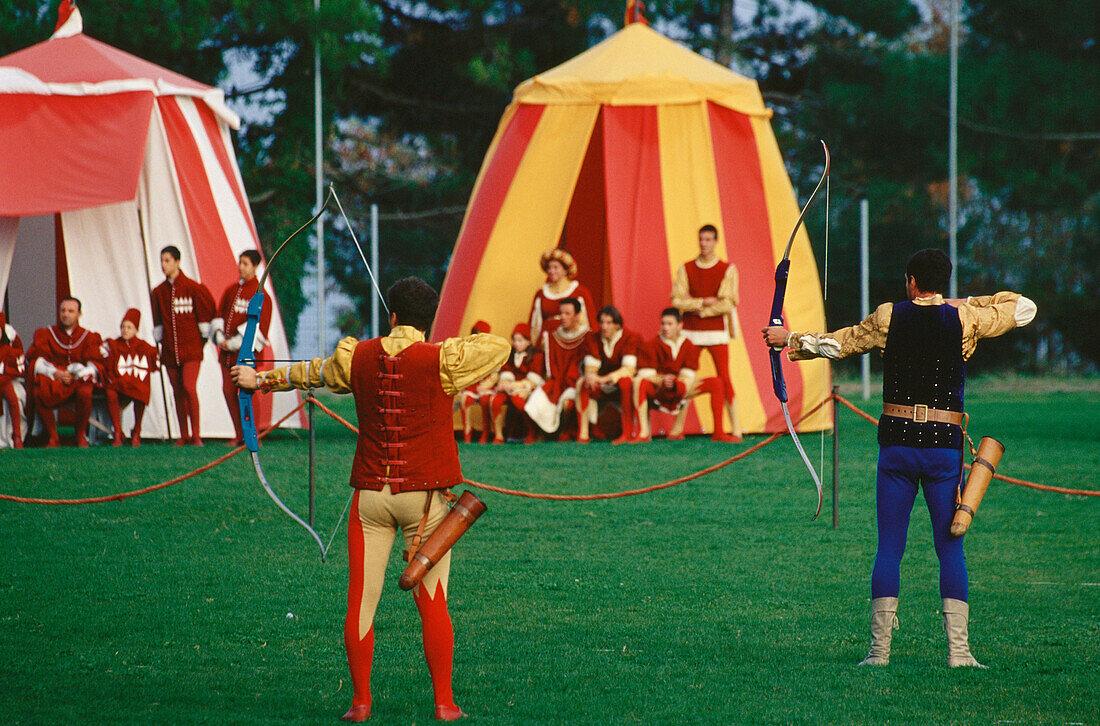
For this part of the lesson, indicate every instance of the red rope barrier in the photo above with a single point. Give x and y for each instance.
(1018, 482)
(137, 492)
(608, 495)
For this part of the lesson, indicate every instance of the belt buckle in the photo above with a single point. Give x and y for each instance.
(918, 408)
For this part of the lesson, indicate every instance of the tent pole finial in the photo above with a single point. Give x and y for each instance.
(69, 21)
(635, 13)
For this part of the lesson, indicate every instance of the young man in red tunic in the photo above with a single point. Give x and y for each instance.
(228, 329)
(704, 290)
(406, 454)
(667, 378)
(63, 358)
(610, 362)
(521, 374)
(12, 367)
(182, 311)
(563, 350)
(128, 365)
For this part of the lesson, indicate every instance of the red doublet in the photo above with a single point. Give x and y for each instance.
(233, 310)
(523, 364)
(406, 439)
(704, 282)
(61, 349)
(129, 366)
(613, 358)
(181, 306)
(562, 358)
(12, 364)
(666, 357)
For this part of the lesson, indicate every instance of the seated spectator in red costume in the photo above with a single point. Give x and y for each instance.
(228, 330)
(563, 349)
(479, 393)
(518, 377)
(12, 368)
(667, 379)
(182, 312)
(128, 365)
(610, 362)
(63, 358)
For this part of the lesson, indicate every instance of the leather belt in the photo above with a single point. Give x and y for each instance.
(920, 413)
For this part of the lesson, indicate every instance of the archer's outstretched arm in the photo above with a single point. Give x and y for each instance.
(853, 340)
(333, 373)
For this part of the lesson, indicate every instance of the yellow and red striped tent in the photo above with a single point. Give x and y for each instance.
(620, 155)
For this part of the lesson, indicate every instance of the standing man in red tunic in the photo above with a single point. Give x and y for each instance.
(406, 455)
(64, 358)
(12, 366)
(129, 363)
(228, 329)
(610, 362)
(704, 290)
(182, 311)
(563, 349)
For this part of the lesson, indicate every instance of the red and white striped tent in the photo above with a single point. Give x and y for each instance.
(105, 159)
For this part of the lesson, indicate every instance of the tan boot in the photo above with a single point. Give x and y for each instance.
(884, 620)
(956, 616)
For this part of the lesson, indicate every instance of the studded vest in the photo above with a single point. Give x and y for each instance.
(406, 437)
(923, 363)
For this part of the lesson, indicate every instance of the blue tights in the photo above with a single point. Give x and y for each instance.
(901, 469)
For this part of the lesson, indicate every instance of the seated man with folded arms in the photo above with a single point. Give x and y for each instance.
(63, 358)
(667, 379)
(610, 362)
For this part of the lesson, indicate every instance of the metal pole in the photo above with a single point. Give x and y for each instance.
(319, 188)
(953, 156)
(836, 462)
(312, 439)
(865, 284)
(374, 326)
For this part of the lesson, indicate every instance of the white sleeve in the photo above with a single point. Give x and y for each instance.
(43, 367)
(1025, 311)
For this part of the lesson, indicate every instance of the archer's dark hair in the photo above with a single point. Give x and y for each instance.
(253, 257)
(931, 269)
(414, 302)
(172, 250)
(571, 301)
(70, 297)
(709, 228)
(674, 313)
(612, 312)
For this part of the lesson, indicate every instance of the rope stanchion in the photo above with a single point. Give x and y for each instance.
(1011, 480)
(137, 492)
(608, 495)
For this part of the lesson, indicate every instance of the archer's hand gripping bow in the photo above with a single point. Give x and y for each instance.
(778, 384)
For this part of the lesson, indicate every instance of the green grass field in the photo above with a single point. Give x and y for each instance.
(717, 601)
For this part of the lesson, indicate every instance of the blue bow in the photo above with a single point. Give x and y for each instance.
(779, 385)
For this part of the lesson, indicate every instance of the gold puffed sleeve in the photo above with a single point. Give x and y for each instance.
(465, 361)
(991, 315)
(333, 373)
(853, 340)
(681, 294)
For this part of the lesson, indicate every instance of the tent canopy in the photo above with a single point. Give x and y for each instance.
(620, 155)
(105, 159)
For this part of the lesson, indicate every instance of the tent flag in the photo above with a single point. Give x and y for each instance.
(620, 155)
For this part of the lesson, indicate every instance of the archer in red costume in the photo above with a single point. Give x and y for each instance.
(610, 362)
(128, 366)
(64, 358)
(406, 455)
(667, 379)
(182, 311)
(704, 290)
(561, 283)
(228, 330)
(563, 349)
(521, 374)
(12, 368)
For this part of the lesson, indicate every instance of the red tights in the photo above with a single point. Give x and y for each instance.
(15, 411)
(115, 410)
(184, 380)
